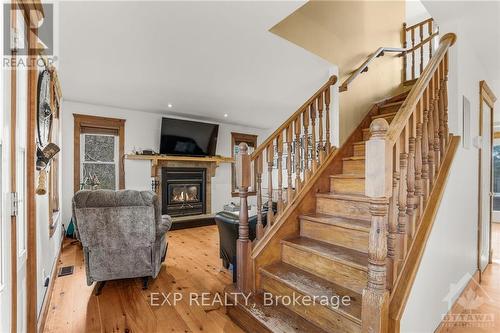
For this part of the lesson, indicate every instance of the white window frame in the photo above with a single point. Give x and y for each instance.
(115, 157)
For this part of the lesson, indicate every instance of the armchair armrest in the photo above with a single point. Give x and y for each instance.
(164, 224)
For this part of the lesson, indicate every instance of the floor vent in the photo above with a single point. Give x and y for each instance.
(66, 270)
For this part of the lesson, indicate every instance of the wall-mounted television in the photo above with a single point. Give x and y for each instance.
(189, 138)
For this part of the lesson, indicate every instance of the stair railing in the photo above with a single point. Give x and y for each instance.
(293, 153)
(420, 38)
(402, 162)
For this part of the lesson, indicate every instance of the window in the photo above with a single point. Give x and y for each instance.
(98, 149)
(99, 157)
(251, 141)
(496, 172)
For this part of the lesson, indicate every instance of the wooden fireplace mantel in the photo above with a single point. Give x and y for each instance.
(158, 160)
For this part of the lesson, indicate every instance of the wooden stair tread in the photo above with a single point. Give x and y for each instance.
(359, 143)
(275, 318)
(348, 176)
(352, 158)
(342, 254)
(351, 197)
(361, 225)
(311, 285)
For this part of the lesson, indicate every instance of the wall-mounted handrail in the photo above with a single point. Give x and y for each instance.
(364, 67)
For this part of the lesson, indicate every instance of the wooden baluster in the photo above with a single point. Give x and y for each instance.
(289, 139)
(305, 124)
(258, 180)
(410, 183)
(402, 200)
(392, 237)
(419, 189)
(244, 276)
(430, 133)
(328, 144)
(442, 122)
(429, 25)
(436, 122)
(279, 148)
(405, 55)
(378, 189)
(314, 162)
(321, 143)
(421, 30)
(298, 183)
(270, 158)
(425, 148)
(445, 99)
(412, 54)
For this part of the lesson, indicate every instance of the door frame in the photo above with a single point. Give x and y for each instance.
(486, 95)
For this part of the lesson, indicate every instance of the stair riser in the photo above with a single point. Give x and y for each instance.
(359, 149)
(390, 109)
(347, 185)
(320, 315)
(245, 321)
(343, 208)
(325, 268)
(366, 134)
(350, 238)
(353, 166)
(389, 118)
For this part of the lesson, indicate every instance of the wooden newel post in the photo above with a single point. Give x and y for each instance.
(243, 244)
(378, 173)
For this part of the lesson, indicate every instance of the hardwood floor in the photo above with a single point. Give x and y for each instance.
(486, 317)
(495, 242)
(192, 266)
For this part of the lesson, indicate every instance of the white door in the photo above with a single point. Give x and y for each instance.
(5, 294)
(486, 190)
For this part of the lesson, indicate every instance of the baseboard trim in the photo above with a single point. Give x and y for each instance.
(48, 294)
(472, 286)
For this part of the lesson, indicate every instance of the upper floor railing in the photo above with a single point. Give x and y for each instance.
(418, 47)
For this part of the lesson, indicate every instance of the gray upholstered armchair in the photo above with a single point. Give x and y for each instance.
(122, 232)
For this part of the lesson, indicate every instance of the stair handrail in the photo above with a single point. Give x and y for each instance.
(304, 154)
(331, 81)
(364, 67)
(402, 162)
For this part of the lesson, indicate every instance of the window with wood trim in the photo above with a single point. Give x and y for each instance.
(251, 141)
(98, 153)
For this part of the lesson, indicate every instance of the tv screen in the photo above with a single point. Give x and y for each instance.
(191, 138)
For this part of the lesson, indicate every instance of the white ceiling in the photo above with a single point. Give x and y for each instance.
(205, 58)
(479, 29)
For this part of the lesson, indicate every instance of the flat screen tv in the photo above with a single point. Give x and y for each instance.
(189, 138)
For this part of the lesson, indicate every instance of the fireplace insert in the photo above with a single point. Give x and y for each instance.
(183, 191)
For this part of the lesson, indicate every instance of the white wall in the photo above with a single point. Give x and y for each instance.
(451, 251)
(142, 130)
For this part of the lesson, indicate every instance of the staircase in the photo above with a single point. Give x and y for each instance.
(329, 258)
(342, 249)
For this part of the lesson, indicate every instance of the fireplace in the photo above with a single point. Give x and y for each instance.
(183, 191)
